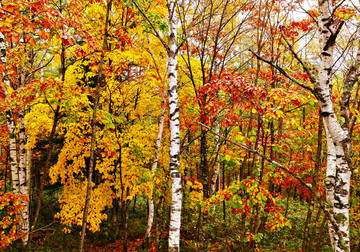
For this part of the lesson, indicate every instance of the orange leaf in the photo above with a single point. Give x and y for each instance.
(43, 34)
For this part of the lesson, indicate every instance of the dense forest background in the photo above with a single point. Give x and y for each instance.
(200, 125)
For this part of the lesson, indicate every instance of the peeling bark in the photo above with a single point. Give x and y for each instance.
(338, 171)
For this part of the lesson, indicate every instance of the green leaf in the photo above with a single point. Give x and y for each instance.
(272, 168)
(277, 149)
(238, 205)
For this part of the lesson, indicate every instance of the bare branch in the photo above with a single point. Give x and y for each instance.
(312, 17)
(39, 68)
(248, 148)
(306, 69)
(283, 72)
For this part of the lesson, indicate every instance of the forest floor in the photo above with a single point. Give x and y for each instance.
(50, 237)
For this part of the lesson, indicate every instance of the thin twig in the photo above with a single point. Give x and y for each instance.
(248, 148)
(152, 26)
(306, 69)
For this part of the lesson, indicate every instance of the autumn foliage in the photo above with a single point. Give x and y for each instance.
(253, 146)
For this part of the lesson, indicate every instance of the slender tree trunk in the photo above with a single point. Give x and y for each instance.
(44, 176)
(157, 148)
(10, 122)
(153, 170)
(307, 238)
(93, 126)
(13, 153)
(176, 194)
(126, 220)
(217, 160)
(24, 186)
(205, 177)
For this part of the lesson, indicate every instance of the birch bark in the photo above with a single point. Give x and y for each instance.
(176, 197)
(24, 186)
(10, 121)
(153, 171)
(13, 153)
(338, 172)
(217, 161)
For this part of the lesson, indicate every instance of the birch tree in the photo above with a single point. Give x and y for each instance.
(158, 145)
(175, 173)
(176, 194)
(338, 171)
(19, 171)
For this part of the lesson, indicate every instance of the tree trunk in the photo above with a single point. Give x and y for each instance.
(338, 171)
(176, 196)
(24, 186)
(13, 153)
(153, 170)
(43, 176)
(217, 160)
(93, 126)
(157, 149)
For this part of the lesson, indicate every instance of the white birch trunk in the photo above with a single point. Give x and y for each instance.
(330, 179)
(10, 124)
(13, 153)
(217, 161)
(153, 171)
(23, 176)
(176, 197)
(338, 176)
(19, 174)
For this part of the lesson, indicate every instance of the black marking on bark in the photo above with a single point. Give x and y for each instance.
(325, 114)
(326, 54)
(173, 88)
(171, 75)
(174, 113)
(175, 175)
(173, 166)
(328, 71)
